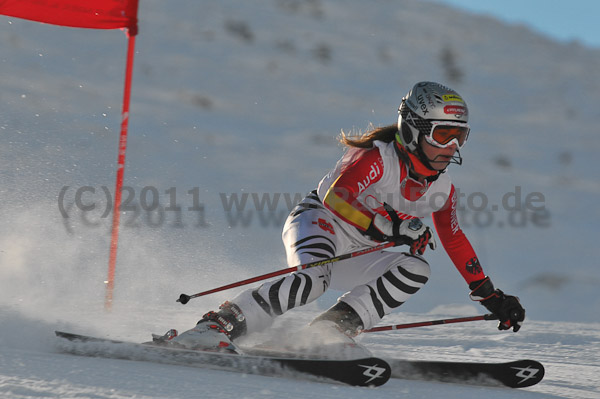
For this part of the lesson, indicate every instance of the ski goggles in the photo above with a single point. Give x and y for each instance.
(445, 133)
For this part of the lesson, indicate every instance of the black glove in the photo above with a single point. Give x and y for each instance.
(411, 231)
(507, 307)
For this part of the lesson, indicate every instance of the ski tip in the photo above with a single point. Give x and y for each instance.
(515, 374)
(366, 372)
(375, 372)
(524, 373)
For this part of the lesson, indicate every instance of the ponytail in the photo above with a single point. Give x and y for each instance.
(386, 134)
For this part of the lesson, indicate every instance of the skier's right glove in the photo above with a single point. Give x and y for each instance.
(411, 232)
(507, 308)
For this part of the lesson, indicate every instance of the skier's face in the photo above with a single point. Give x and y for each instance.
(439, 158)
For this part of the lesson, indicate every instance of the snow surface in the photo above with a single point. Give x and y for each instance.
(233, 99)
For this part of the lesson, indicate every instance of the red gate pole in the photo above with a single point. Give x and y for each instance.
(112, 261)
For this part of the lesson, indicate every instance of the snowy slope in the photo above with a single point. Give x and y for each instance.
(30, 367)
(233, 99)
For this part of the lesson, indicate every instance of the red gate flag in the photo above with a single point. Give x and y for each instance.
(96, 14)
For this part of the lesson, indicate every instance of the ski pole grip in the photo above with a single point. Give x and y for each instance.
(489, 316)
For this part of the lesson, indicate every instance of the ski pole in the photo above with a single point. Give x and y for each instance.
(488, 316)
(183, 298)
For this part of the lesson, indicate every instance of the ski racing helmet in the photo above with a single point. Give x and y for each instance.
(437, 113)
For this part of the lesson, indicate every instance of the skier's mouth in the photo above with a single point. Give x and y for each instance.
(442, 158)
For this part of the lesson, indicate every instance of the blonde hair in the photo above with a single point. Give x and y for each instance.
(386, 134)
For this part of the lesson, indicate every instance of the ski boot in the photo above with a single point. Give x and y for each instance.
(215, 332)
(329, 336)
(334, 330)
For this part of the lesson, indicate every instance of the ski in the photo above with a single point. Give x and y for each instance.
(369, 371)
(516, 374)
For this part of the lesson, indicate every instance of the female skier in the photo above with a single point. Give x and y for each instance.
(386, 181)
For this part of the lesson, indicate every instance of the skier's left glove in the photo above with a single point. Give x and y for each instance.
(411, 232)
(507, 308)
